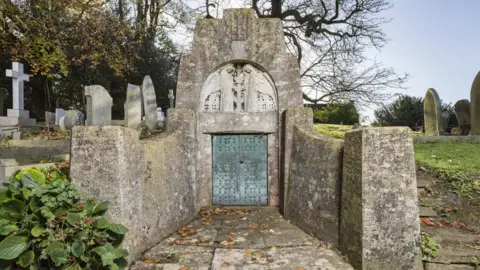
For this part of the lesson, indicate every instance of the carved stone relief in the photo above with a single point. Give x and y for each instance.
(238, 88)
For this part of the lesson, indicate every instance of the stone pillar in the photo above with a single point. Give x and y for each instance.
(379, 220)
(107, 163)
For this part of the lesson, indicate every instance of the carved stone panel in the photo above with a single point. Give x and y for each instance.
(238, 88)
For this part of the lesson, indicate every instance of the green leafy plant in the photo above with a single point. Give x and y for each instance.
(44, 224)
(429, 247)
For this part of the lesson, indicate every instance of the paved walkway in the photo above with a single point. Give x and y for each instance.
(241, 238)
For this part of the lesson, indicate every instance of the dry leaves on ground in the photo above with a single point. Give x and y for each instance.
(223, 211)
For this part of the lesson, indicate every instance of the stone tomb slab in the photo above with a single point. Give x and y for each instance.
(239, 259)
(176, 257)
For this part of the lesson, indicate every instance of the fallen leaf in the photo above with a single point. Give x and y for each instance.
(281, 262)
(258, 254)
(245, 234)
(427, 221)
(248, 252)
(184, 268)
(148, 261)
(230, 249)
(300, 268)
(224, 265)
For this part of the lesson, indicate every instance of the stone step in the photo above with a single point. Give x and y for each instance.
(441, 266)
(428, 212)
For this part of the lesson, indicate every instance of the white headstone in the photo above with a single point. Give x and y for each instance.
(59, 113)
(65, 123)
(99, 106)
(149, 102)
(160, 115)
(17, 85)
(133, 107)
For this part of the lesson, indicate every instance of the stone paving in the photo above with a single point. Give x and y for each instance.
(240, 238)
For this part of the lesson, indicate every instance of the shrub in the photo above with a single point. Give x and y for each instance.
(345, 114)
(44, 225)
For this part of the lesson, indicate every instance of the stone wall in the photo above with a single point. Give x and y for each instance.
(149, 183)
(446, 139)
(31, 151)
(315, 183)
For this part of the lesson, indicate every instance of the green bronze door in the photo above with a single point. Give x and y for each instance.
(240, 170)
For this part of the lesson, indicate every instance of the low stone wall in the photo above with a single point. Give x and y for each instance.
(31, 151)
(149, 183)
(447, 139)
(313, 199)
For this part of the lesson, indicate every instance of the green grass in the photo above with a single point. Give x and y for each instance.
(457, 162)
(336, 131)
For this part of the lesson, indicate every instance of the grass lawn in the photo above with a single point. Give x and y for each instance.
(457, 162)
(336, 131)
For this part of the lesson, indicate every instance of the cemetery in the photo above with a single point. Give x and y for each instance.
(235, 174)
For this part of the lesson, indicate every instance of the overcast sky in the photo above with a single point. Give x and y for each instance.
(435, 41)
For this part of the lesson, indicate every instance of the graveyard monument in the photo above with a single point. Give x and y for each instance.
(239, 135)
(432, 113)
(133, 107)
(475, 106)
(17, 115)
(99, 106)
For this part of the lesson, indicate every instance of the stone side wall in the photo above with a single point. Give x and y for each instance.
(315, 183)
(32, 151)
(149, 183)
(301, 117)
(446, 139)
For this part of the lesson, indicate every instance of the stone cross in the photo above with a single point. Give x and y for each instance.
(432, 113)
(172, 98)
(17, 85)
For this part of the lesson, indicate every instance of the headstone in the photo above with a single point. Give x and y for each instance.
(355, 126)
(432, 113)
(99, 106)
(59, 113)
(65, 123)
(17, 115)
(171, 97)
(133, 107)
(49, 119)
(160, 117)
(379, 220)
(76, 116)
(149, 102)
(462, 111)
(475, 106)
(444, 120)
(3, 97)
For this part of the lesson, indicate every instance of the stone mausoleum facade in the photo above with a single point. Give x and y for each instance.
(239, 79)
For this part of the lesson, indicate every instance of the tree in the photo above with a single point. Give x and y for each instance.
(406, 111)
(69, 44)
(343, 113)
(330, 38)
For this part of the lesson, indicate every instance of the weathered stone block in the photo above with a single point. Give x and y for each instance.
(379, 222)
(462, 111)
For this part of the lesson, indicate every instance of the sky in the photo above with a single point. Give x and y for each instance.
(437, 42)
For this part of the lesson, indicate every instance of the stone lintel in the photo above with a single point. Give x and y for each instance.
(251, 122)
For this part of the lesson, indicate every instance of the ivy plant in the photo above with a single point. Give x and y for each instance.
(45, 225)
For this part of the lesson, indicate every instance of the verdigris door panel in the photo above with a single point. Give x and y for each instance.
(240, 170)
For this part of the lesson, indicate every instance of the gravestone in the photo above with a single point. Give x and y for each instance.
(160, 117)
(65, 123)
(3, 97)
(133, 107)
(99, 106)
(462, 111)
(49, 119)
(149, 102)
(475, 106)
(171, 97)
(59, 113)
(432, 113)
(76, 117)
(444, 120)
(17, 115)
